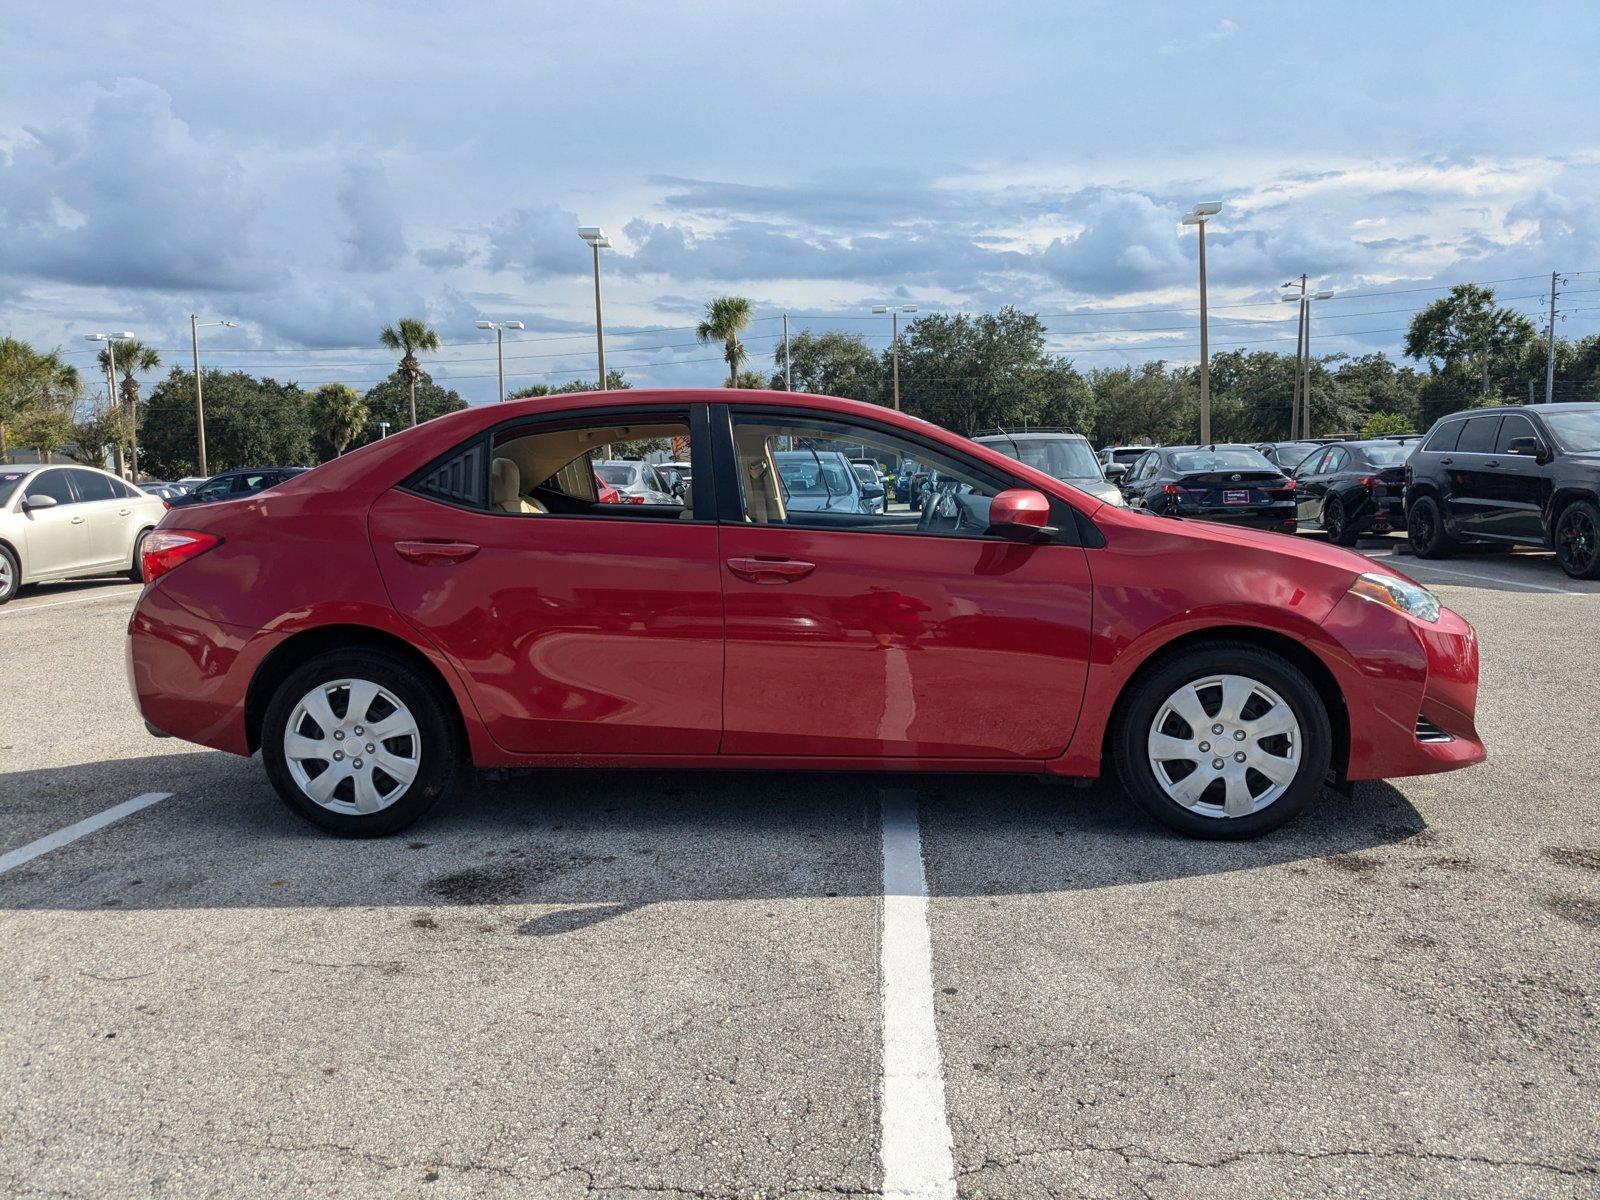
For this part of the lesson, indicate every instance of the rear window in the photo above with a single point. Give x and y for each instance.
(1222, 460)
(93, 486)
(616, 474)
(1391, 454)
(1479, 435)
(460, 479)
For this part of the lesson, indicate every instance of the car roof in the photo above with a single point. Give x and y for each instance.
(1030, 434)
(1502, 409)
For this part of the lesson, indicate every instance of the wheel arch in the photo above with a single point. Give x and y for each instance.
(1280, 644)
(1558, 504)
(16, 556)
(308, 643)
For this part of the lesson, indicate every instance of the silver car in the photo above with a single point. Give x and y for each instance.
(1067, 456)
(639, 482)
(68, 522)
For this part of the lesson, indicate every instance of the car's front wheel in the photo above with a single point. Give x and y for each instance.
(1426, 531)
(1577, 540)
(359, 743)
(1224, 741)
(10, 574)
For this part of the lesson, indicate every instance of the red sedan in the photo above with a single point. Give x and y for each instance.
(459, 594)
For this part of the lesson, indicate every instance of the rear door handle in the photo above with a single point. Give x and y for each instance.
(78, 520)
(769, 570)
(1493, 462)
(122, 512)
(1447, 461)
(435, 552)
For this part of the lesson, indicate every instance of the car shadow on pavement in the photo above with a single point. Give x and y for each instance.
(603, 843)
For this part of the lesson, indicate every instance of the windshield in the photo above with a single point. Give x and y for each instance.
(1063, 458)
(9, 482)
(1578, 432)
(617, 474)
(809, 477)
(1228, 459)
(866, 474)
(1390, 454)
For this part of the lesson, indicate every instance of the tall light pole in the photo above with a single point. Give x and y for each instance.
(598, 241)
(500, 328)
(1198, 216)
(894, 340)
(111, 340)
(1300, 423)
(195, 326)
(788, 377)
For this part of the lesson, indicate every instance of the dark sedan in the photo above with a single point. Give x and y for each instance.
(234, 485)
(1353, 488)
(1287, 455)
(1232, 484)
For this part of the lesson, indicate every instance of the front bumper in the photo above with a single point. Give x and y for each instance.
(1405, 683)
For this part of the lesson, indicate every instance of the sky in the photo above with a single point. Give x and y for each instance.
(315, 171)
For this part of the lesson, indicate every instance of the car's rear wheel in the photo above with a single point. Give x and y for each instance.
(1224, 741)
(1336, 523)
(1577, 540)
(136, 570)
(1426, 531)
(10, 574)
(358, 743)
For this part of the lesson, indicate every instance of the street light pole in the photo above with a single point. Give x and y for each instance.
(499, 328)
(788, 377)
(894, 341)
(1198, 216)
(598, 241)
(195, 325)
(1299, 352)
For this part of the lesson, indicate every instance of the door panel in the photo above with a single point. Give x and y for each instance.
(57, 538)
(903, 645)
(1521, 485)
(108, 517)
(575, 634)
(1473, 482)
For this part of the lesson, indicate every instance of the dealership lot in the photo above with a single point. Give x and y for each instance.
(630, 984)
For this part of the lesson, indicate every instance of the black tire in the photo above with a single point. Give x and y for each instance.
(136, 570)
(1336, 524)
(1426, 531)
(439, 755)
(10, 575)
(1577, 540)
(1149, 693)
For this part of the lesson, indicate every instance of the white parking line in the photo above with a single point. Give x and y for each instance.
(1500, 579)
(61, 837)
(915, 1133)
(14, 610)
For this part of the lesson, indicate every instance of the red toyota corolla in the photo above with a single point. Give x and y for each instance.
(458, 594)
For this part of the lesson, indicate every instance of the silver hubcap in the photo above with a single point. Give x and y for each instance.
(1225, 746)
(352, 747)
(7, 580)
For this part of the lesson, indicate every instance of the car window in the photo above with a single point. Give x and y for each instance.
(1389, 454)
(1146, 465)
(216, 489)
(92, 486)
(1479, 435)
(1312, 464)
(252, 481)
(795, 471)
(53, 484)
(1237, 458)
(1445, 437)
(126, 492)
(550, 469)
(1514, 425)
(1338, 460)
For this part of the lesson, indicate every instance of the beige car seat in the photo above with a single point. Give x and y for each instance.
(505, 488)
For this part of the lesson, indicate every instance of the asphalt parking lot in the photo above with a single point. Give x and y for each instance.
(634, 985)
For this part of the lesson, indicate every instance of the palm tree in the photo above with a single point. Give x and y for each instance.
(132, 356)
(726, 318)
(338, 413)
(410, 336)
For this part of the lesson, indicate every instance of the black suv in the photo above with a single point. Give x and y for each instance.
(1523, 475)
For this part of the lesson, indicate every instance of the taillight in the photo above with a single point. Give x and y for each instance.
(1172, 489)
(1371, 482)
(165, 549)
(633, 499)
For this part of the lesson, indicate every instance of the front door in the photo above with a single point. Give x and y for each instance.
(1311, 485)
(909, 632)
(57, 537)
(1522, 484)
(580, 627)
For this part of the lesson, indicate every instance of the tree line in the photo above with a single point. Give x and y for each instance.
(965, 372)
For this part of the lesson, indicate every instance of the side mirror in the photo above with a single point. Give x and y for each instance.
(29, 503)
(1020, 515)
(1115, 471)
(1529, 447)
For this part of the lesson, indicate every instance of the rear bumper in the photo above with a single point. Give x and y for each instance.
(1396, 672)
(1277, 517)
(1384, 514)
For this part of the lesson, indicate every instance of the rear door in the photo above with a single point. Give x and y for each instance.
(906, 633)
(57, 537)
(1311, 484)
(581, 627)
(1474, 474)
(108, 515)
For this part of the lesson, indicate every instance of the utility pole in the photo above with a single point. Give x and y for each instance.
(894, 341)
(1550, 347)
(788, 377)
(199, 401)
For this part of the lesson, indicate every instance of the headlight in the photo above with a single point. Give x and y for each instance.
(1399, 594)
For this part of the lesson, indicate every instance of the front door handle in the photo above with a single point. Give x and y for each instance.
(1447, 461)
(770, 570)
(1493, 462)
(78, 520)
(428, 553)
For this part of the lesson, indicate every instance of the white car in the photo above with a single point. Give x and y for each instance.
(68, 522)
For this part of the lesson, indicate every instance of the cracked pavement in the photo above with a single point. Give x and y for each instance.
(649, 985)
